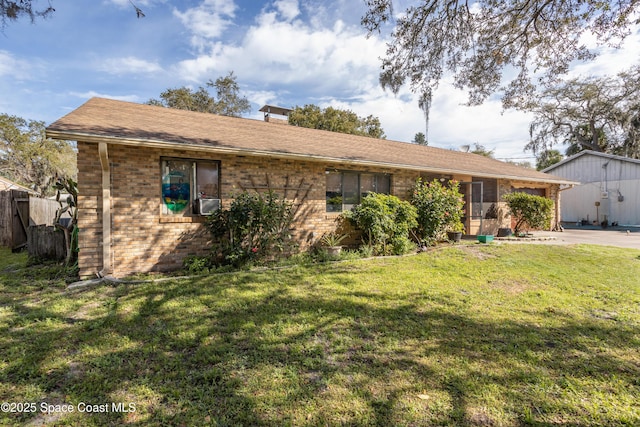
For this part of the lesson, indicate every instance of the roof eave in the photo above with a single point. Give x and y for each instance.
(116, 140)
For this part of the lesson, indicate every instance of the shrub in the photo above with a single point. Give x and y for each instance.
(69, 206)
(333, 239)
(256, 227)
(530, 211)
(385, 222)
(440, 209)
(196, 264)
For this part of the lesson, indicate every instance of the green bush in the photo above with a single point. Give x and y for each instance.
(440, 209)
(385, 222)
(530, 211)
(256, 227)
(194, 264)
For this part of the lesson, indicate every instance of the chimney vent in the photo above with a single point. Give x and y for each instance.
(271, 110)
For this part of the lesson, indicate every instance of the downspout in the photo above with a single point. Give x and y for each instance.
(557, 226)
(106, 210)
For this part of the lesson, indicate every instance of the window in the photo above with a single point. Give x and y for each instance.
(346, 189)
(489, 189)
(185, 182)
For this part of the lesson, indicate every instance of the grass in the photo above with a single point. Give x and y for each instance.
(467, 335)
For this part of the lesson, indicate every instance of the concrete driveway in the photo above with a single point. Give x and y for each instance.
(624, 237)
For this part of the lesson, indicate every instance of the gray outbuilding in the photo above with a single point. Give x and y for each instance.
(609, 189)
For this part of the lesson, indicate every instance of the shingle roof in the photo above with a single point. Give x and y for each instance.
(6, 184)
(118, 122)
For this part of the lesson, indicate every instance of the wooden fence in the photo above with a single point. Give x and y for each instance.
(6, 222)
(14, 210)
(42, 211)
(20, 211)
(45, 242)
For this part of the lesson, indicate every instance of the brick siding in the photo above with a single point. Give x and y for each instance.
(144, 240)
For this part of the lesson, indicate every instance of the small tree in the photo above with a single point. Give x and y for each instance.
(420, 139)
(385, 221)
(548, 158)
(440, 208)
(530, 211)
(70, 230)
(482, 150)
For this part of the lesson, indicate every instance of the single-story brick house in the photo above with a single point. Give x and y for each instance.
(146, 173)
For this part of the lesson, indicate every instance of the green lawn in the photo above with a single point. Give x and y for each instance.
(469, 335)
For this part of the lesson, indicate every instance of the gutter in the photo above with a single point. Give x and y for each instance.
(84, 137)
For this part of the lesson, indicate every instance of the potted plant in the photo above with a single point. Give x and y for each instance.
(331, 241)
(455, 231)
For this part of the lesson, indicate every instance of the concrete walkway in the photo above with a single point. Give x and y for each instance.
(624, 237)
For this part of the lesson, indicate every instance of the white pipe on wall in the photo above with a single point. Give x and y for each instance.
(106, 210)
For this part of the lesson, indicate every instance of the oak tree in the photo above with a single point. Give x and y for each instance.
(228, 101)
(493, 46)
(28, 157)
(336, 120)
(595, 113)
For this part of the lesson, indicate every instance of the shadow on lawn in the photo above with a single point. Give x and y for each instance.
(208, 351)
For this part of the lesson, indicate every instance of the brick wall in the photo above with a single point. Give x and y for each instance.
(145, 240)
(89, 215)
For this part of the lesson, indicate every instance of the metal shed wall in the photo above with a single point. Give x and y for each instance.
(591, 168)
(612, 182)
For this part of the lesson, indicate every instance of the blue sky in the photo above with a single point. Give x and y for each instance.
(283, 52)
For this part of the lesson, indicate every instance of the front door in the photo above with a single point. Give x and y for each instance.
(473, 206)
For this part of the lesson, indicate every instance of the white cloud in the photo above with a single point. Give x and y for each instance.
(207, 21)
(288, 9)
(13, 67)
(453, 125)
(129, 65)
(276, 52)
(7, 63)
(399, 116)
(262, 97)
(610, 60)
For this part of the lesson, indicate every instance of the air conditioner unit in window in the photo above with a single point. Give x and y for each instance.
(207, 206)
